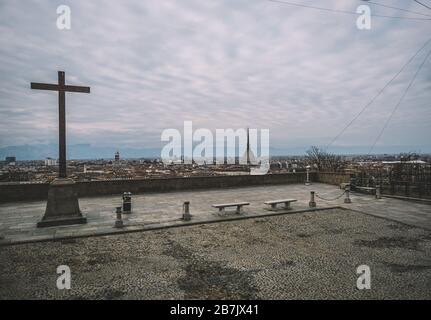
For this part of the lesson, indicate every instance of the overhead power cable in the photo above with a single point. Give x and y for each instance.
(344, 11)
(399, 102)
(396, 8)
(377, 95)
(422, 4)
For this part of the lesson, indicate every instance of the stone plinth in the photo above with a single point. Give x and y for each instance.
(62, 207)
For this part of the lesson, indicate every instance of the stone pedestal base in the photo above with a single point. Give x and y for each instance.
(62, 207)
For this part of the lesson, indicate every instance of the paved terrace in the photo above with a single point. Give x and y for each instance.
(311, 255)
(161, 210)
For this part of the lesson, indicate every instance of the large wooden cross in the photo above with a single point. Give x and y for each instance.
(62, 88)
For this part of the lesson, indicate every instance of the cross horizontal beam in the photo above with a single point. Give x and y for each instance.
(56, 87)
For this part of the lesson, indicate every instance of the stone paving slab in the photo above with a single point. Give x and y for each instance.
(158, 210)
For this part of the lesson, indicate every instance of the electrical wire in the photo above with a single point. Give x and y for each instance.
(344, 11)
(377, 95)
(399, 103)
(395, 8)
(422, 4)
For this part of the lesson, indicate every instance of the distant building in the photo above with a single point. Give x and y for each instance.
(117, 156)
(409, 162)
(10, 160)
(19, 176)
(50, 162)
(276, 165)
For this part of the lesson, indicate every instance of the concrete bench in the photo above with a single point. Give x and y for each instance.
(286, 202)
(221, 207)
(366, 189)
(344, 185)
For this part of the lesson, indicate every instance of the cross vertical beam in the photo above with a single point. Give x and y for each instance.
(62, 126)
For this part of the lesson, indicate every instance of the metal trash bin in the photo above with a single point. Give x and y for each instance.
(127, 202)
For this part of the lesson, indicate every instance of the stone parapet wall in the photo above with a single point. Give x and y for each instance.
(10, 192)
(334, 178)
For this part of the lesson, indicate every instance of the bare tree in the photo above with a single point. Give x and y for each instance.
(409, 156)
(323, 160)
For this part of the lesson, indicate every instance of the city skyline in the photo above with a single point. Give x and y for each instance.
(88, 151)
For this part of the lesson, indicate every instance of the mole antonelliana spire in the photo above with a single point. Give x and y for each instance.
(248, 146)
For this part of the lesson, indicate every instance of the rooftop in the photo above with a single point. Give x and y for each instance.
(312, 255)
(259, 254)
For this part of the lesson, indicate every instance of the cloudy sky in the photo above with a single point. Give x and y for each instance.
(152, 64)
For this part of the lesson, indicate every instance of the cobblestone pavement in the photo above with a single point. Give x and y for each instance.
(150, 211)
(310, 255)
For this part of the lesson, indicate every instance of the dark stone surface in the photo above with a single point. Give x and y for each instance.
(313, 255)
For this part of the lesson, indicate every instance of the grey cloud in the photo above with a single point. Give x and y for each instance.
(154, 64)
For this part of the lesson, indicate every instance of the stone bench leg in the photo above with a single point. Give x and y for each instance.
(287, 206)
(238, 209)
(273, 206)
(221, 210)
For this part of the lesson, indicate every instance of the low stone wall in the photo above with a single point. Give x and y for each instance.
(333, 178)
(11, 192)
